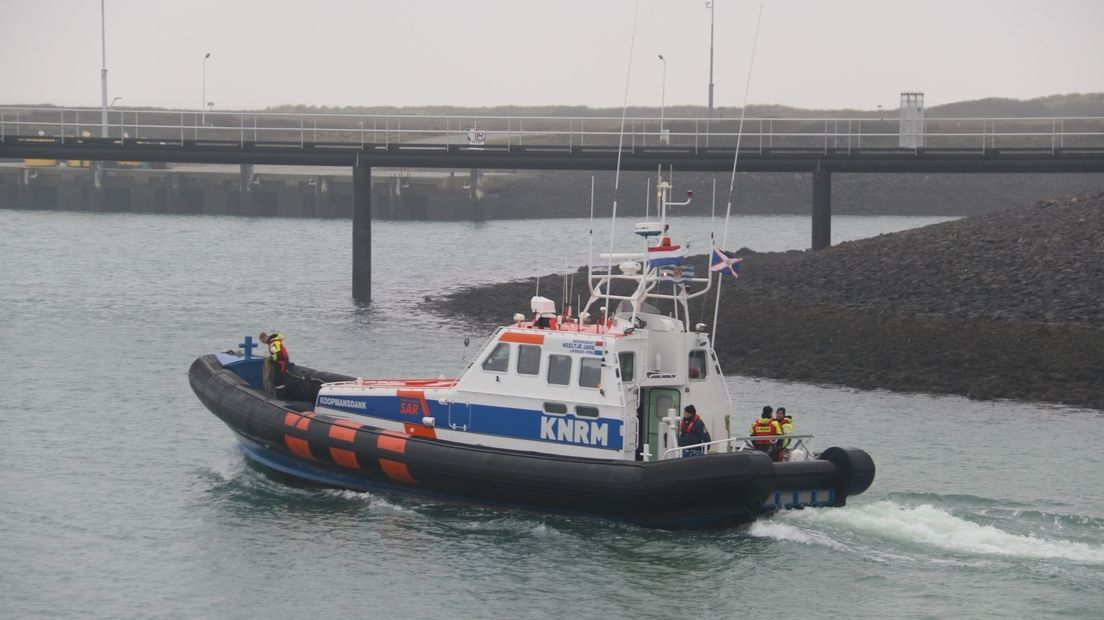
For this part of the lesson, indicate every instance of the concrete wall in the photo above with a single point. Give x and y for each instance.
(430, 197)
(444, 196)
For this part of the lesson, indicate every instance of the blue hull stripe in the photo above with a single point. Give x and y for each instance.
(513, 422)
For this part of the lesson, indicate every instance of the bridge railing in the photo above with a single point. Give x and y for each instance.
(859, 132)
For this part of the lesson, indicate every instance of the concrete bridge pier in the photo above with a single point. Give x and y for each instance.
(822, 207)
(245, 188)
(362, 231)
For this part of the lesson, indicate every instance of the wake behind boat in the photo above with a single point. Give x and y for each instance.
(557, 413)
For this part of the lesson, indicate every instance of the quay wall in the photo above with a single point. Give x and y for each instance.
(394, 195)
(471, 195)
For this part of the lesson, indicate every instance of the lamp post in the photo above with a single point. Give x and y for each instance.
(203, 103)
(662, 96)
(103, 72)
(709, 5)
(111, 106)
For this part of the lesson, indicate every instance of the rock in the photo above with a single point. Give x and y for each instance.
(1002, 305)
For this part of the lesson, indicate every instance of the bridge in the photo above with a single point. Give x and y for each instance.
(816, 145)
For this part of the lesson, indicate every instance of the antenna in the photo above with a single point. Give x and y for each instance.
(732, 180)
(712, 240)
(617, 174)
(590, 233)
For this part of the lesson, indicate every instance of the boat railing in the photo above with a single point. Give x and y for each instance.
(798, 445)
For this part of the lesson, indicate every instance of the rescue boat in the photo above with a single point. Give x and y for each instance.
(557, 413)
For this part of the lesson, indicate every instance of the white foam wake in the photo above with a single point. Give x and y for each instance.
(923, 525)
(772, 528)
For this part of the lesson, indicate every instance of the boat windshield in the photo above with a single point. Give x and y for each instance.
(625, 307)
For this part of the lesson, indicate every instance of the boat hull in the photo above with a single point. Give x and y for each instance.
(702, 491)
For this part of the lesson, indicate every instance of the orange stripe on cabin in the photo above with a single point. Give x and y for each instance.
(419, 395)
(396, 471)
(344, 430)
(298, 447)
(419, 430)
(522, 337)
(392, 441)
(345, 458)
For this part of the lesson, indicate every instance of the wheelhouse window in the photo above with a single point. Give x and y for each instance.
(585, 411)
(559, 369)
(697, 366)
(528, 361)
(590, 372)
(628, 365)
(499, 359)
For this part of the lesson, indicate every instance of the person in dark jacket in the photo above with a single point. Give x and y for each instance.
(692, 431)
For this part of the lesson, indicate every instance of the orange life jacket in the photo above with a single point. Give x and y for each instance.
(763, 426)
(688, 425)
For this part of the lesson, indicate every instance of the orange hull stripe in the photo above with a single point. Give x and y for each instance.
(298, 447)
(396, 471)
(344, 430)
(522, 338)
(290, 418)
(343, 433)
(345, 458)
(392, 442)
(304, 422)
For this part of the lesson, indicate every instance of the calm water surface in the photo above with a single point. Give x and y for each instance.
(121, 496)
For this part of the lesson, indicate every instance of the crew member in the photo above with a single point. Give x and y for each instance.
(786, 424)
(692, 431)
(766, 426)
(275, 367)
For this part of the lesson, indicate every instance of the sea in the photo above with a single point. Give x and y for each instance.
(121, 496)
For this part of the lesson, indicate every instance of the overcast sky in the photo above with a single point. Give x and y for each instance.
(814, 54)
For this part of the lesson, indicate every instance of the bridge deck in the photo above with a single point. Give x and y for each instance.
(561, 157)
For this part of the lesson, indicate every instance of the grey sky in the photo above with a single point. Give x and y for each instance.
(843, 53)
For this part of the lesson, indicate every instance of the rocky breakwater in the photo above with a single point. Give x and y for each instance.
(1008, 304)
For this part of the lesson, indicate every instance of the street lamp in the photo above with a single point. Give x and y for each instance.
(203, 103)
(709, 5)
(662, 97)
(112, 106)
(103, 72)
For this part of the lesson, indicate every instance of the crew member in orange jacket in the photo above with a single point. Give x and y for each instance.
(766, 426)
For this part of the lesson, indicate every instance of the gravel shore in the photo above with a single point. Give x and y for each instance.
(1008, 304)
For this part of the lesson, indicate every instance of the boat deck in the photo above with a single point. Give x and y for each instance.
(400, 383)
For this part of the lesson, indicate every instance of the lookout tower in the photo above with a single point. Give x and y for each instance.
(912, 120)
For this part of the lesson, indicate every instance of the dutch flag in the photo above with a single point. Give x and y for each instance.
(665, 256)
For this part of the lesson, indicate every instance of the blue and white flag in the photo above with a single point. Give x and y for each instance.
(722, 263)
(678, 273)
